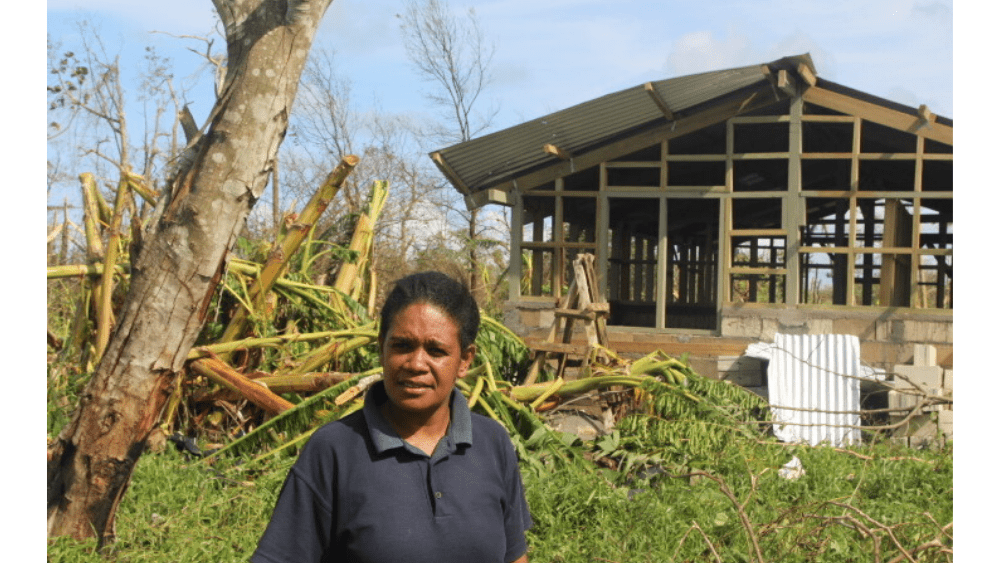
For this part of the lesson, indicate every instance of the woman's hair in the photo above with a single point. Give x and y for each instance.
(439, 290)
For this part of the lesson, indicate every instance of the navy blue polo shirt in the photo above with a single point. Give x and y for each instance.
(358, 492)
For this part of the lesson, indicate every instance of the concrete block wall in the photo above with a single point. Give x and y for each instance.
(910, 383)
(887, 337)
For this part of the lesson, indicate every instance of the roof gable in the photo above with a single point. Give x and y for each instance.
(557, 141)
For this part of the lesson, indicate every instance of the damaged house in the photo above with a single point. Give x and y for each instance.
(726, 207)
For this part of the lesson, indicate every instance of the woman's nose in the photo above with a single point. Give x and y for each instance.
(417, 359)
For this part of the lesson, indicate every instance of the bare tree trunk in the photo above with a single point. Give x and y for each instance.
(474, 255)
(181, 262)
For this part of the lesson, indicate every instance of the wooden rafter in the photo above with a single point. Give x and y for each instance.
(549, 148)
(486, 196)
(925, 115)
(806, 74)
(785, 83)
(683, 125)
(875, 113)
(446, 169)
(659, 101)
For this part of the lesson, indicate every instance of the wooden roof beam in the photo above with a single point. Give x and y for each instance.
(785, 83)
(935, 130)
(549, 148)
(489, 195)
(926, 117)
(730, 107)
(446, 169)
(806, 74)
(659, 101)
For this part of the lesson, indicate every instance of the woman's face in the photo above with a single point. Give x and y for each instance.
(421, 359)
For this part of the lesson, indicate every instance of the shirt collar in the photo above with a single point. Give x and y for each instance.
(385, 438)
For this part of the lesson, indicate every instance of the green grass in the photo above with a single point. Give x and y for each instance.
(181, 510)
(589, 517)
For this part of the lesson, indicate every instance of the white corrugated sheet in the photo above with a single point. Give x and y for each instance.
(814, 388)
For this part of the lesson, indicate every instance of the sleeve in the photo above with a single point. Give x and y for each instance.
(517, 518)
(301, 524)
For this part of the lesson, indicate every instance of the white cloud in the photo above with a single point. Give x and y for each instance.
(700, 51)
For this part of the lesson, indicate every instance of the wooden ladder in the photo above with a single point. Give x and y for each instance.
(582, 302)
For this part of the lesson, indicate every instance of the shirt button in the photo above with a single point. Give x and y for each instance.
(438, 494)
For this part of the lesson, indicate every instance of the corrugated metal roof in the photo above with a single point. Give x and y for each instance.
(513, 152)
(503, 155)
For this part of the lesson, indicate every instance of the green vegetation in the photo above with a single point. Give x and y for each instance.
(690, 472)
(711, 490)
(847, 507)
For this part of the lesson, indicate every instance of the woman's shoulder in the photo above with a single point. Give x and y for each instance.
(344, 431)
(488, 428)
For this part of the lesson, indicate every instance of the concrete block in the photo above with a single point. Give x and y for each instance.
(901, 400)
(946, 423)
(819, 326)
(857, 327)
(925, 442)
(928, 377)
(948, 382)
(884, 331)
(883, 354)
(704, 366)
(530, 318)
(919, 425)
(768, 328)
(741, 370)
(900, 440)
(924, 355)
(746, 327)
(934, 392)
(923, 331)
(546, 318)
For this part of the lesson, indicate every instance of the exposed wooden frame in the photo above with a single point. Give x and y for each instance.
(449, 173)
(745, 102)
(794, 212)
(785, 83)
(794, 199)
(549, 148)
(662, 273)
(487, 196)
(664, 108)
(884, 116)
(514, 261)
(806, 74)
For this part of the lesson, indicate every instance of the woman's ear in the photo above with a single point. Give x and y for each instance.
(468, 355)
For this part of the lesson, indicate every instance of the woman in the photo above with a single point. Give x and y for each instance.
(414, 476)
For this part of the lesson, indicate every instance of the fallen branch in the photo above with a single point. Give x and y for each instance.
(277, 261)
(221, 373)
(751, 535)
(708, 541)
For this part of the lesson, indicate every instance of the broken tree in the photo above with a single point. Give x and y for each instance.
(183, 256)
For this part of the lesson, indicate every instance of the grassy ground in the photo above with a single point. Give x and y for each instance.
(846, 507)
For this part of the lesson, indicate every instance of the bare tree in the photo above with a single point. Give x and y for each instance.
(329, 125)
(453, 55)
(186, 242)
(87, 108)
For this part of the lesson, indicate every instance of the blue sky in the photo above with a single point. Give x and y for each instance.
(557, 53)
